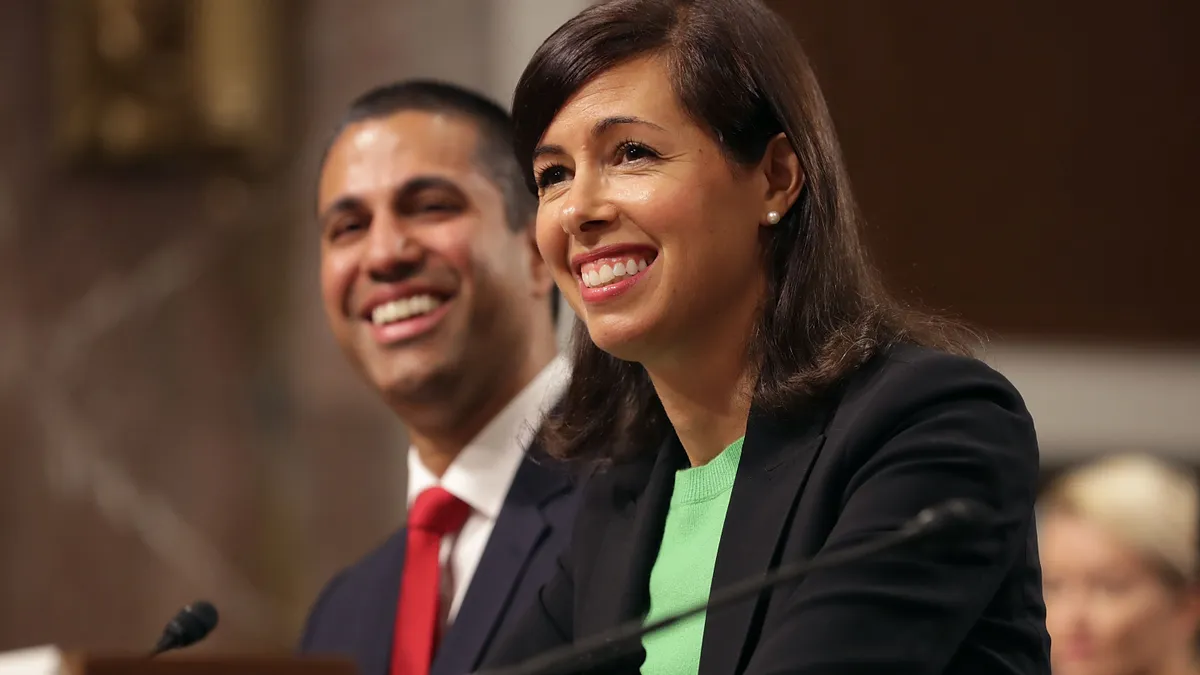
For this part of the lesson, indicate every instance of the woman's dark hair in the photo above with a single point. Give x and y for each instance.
(740, 73)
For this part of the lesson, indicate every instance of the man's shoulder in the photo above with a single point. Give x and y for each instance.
(342, 598)
(380, 560)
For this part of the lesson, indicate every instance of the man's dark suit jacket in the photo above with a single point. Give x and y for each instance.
(910, 429)
(356, 612)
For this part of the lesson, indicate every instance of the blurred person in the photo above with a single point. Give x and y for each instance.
(434, 290)
(755, 395)
(1119, 561)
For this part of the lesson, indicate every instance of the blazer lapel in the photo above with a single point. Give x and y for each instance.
(620, 587)
(776, 460)
(379, 609)
(518, 531)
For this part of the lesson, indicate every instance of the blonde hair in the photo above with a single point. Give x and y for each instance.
(1144, 501)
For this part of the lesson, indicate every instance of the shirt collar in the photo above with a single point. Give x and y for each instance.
(484, 470)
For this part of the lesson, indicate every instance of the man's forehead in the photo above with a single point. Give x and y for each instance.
(386, 151)
(414, 131)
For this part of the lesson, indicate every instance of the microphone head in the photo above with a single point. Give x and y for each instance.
(192, 624)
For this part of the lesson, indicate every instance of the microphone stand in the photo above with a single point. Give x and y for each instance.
(584, 654)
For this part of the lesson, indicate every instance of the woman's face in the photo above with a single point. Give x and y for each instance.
(650, 233)
(1108, 610)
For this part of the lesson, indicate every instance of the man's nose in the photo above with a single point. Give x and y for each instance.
(392, 253)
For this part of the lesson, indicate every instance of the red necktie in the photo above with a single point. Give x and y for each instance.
(434, 514)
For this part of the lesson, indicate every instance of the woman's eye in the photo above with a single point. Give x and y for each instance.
(551, 175)
(632, 152)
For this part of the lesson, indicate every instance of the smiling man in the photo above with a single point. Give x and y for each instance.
(433, 287)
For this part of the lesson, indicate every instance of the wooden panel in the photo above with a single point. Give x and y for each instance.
(88, 664)
(1028, 165)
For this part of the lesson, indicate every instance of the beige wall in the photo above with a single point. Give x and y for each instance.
(1087, 398)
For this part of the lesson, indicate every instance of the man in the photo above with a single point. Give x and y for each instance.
(434, 289)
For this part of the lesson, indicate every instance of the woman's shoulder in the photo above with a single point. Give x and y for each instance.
(914, 390)
(936, 424)
(911, 374)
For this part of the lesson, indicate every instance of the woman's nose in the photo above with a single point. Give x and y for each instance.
(587, 207)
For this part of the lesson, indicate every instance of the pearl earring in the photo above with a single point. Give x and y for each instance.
(773, 217)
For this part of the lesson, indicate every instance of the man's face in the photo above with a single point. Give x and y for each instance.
(424, 284)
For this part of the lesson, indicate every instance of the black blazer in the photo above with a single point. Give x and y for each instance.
(355, 614)
(910, 429)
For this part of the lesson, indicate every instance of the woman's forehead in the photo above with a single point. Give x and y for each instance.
(640, 88)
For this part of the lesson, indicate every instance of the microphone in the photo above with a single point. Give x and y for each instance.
(951, 518)
(192, 624)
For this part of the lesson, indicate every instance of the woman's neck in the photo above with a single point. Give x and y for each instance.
(706, 382)
(705, 425)
(708, 405)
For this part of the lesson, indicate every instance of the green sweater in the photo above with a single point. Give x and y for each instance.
(683, 572)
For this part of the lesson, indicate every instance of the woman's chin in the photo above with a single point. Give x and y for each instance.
(623, 340)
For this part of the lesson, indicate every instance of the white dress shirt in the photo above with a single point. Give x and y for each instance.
(481, 476)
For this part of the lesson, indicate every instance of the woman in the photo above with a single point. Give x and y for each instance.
(754, 396)
(1119, 552)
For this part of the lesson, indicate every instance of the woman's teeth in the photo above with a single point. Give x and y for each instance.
(602, 273)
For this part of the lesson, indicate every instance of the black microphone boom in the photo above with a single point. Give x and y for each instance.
(950, 517)
(191, 625)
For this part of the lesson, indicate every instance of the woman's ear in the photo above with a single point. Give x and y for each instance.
(784, 178)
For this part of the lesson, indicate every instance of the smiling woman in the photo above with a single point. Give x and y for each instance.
(752, 394)
(733, 176)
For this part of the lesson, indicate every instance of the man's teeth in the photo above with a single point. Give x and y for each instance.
(405, 308)
(594, 274)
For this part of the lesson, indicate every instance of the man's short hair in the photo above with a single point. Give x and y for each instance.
(494, 124)
(495, 151)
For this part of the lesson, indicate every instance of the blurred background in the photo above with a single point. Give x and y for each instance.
(176, 423)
